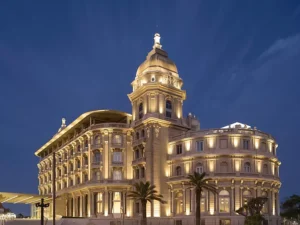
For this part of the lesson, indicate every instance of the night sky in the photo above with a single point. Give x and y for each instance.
(239, 60)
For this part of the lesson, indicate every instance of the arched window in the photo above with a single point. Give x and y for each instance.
(71, 167)
(97, 175)
(179, 202)
(168, 109)
(265, 207)
(78, 164)
(224, 201)
(265, 169)
(78, 148)
(247, 167)
(199, 168)
(246, 197)
(137, 135)
(178, 171)
(65, 170)
(117, 175)
(71, 152)
(141, 113)
(224, 167)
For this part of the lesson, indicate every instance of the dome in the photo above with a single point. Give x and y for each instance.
(157, 58)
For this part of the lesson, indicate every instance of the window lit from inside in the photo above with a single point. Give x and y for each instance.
(245, 144)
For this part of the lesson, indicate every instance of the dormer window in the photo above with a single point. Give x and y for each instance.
(153, 79)
(141, 113)
(168, 109)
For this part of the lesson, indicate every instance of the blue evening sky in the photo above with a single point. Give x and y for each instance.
(239, 60)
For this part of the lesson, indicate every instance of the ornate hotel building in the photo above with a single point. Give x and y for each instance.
(102, 153)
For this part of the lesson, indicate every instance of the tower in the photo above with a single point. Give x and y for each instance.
(157, 100)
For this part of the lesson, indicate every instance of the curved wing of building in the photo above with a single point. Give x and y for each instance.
(100, 154)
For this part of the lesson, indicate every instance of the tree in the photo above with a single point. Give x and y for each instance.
(200, 183)
(252, 211)
(291, 208)
(145, 192)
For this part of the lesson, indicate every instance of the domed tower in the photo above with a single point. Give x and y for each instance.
(156, 100)
(157, 87)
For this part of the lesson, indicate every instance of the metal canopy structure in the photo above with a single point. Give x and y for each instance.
(8, 197)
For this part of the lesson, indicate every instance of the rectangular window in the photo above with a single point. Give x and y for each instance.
(263, 146)
(137, 207)
(246, 144)
(137, 174)
(223, 143)
(199, 146)
(273, 149)
(137, 154)
(179, 149)
(117, 156)
(168, 114)
(143, 172)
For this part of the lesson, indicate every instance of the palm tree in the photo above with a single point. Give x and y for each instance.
(144, 192)
(200, 183)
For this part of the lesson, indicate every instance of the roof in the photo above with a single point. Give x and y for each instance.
(9, 197)
(237, 125)
(104, 115)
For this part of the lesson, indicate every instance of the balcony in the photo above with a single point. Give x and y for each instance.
(117, 145)
(96, 164)
(140, 160)
(77, 153)
(85, 149)
(139, 141)
(117, 163)
(111, 181)
(179, 177)
(97, 146)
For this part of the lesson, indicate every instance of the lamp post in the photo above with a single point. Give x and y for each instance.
(53, 187)
(42, 205)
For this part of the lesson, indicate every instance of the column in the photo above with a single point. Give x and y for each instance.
(270, 201)
(90, 157)
(237, 196)
(184, 199)
(232, 207)
(172, 202)
(91, 203)
(106, 203)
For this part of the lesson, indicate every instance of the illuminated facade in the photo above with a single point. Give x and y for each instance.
(101, 153)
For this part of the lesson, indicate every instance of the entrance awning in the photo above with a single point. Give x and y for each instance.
(8, 197)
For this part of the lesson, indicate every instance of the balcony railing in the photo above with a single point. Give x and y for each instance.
(97, 146)
(139, 160)
(117, 163)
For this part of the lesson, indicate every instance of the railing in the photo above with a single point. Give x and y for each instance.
(139, 160)
(190, 134)
(104, 125)
(139, 141)
(118, 163)
(96, 146)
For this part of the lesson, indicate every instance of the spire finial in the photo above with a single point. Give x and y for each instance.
(63, 122)
(157, 41)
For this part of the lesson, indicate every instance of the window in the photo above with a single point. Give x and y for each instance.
(245, 144)
(199, 146)
(141, 113)
(265, 206)
(78, 164)
(71, 182)
(71, 152)
(137, 207)
(275, 171)
(137, 174)
(224, 167)
(137, 154)
(152, 79)
(98, 200)
(142, 172)
(117, 175)
(78, 180)
(246, 197)
(137, 135)
(97, 175)
(65, 170)
(273, 149)
(117, 157)
(71, 167)
(168, 109)
(223, 143)
(199, 168)
(96, 141)
(86, 177)
(117, 139)
(178, 149)
(247, 167)
(143, 133)
(263, 146)
(178, 171)
(86, 144)
(224, 204)
(97, 157)
(78, 148)
(86, 160)
(265, 169)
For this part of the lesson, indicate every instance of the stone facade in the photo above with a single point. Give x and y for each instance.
(101, 153)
